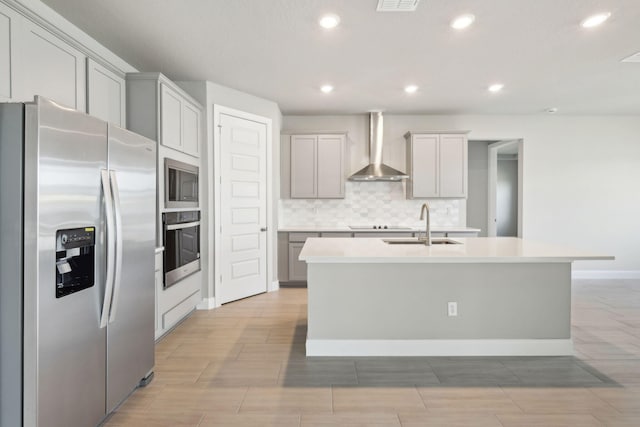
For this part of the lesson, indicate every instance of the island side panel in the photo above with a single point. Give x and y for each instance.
(409, 301)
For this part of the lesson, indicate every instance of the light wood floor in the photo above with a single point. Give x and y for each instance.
(244, 365)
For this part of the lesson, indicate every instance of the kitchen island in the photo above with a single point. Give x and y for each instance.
(368, 297)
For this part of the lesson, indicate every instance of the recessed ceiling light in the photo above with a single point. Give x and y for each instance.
(496, 87)
(329, 21)
(552, 110)
(462, 21)
(595, 20)
(327, 88)
(411, 89)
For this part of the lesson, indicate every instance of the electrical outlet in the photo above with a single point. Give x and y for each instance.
(452, 309)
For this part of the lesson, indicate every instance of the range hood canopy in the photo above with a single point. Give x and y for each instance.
(376, 170)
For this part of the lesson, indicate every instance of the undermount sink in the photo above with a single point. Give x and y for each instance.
(414, 241)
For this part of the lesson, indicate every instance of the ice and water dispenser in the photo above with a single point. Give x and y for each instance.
(75, 260)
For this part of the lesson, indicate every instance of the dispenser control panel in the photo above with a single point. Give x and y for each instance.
(75, 260)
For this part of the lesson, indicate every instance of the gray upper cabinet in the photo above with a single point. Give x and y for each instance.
(181, 121)
(51, 67)
(158, 109)
(171, 121)
(9, 22)
(318, 166)
(106, 93)
(437, 165)
(38, 58)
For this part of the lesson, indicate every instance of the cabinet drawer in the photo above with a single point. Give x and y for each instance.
(336, 234)
(301, 237)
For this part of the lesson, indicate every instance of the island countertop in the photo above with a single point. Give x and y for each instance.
(346, 229)
(471, 250)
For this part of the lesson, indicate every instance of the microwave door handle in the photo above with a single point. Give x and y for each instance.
(118, 259)
(110, 240)
(183, 225)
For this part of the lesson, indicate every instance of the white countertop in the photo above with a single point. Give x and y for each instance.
(472, 250)
(346, 229)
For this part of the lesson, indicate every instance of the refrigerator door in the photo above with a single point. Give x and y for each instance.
(64, 347)
(130, 332)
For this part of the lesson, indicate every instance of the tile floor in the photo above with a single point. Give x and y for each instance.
(244, 365)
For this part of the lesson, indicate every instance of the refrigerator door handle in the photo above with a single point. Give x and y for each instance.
(111, 243)
(118, 260)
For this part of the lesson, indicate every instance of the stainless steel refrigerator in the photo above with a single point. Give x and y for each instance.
(77, 223)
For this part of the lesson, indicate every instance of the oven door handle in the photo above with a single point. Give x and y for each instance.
(182, 225)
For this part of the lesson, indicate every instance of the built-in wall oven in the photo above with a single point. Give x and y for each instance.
(181, 245)
(181, 185)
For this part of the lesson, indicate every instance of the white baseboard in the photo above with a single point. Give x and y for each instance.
(605, 274)
(506, 347)
(207, 304)
(273, 286)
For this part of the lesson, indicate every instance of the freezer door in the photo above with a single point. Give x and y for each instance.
(130, 332)
(64, 347)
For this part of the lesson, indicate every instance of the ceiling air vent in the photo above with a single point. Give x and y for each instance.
(633, 58)
(397, 5)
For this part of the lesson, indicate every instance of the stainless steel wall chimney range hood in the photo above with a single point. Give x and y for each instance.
(376, 170)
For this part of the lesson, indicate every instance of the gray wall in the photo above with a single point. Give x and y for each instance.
(507, 197)
(478, 190)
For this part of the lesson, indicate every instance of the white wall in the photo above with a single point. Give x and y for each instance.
(208, 94)
(580, 178)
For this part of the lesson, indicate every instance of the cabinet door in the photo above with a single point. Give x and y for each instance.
(9, 22)
(170, 118)
(453, 166)
(191, 129)
(424, 166)
(297, 268)
(51, 68)
(105, 94)
(303, 167)
(331, 153)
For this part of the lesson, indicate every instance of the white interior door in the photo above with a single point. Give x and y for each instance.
(243, 186)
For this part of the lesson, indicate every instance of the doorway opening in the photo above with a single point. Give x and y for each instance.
(494, 203)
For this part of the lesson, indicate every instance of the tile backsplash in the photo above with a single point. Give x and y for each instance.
(367, 203)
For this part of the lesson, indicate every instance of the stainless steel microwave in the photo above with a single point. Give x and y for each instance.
(181, 184)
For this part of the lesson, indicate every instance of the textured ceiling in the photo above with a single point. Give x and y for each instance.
(276, 50)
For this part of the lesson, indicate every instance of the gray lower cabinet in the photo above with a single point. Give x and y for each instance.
(297, 268)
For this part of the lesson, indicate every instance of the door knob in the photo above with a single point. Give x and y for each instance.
(263, 229)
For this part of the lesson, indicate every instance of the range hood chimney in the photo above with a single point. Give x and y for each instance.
(376, 170)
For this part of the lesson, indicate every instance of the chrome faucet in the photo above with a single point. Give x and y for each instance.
(427, 237)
